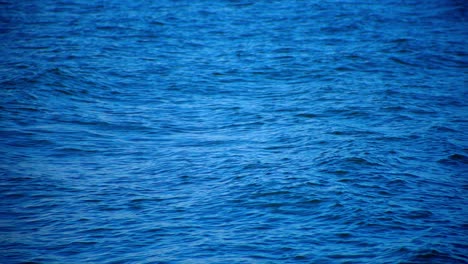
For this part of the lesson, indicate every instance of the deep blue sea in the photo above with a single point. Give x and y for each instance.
(188, 131)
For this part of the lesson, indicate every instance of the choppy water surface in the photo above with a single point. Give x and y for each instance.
(233, 131)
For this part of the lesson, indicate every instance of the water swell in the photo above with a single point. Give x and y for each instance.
(233, 132)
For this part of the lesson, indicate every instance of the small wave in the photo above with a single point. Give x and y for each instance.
(307, 115)
(455, 159)
(434, 256)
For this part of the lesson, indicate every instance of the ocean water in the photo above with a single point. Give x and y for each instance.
(262, 131)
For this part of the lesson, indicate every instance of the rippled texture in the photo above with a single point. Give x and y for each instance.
(233, 131)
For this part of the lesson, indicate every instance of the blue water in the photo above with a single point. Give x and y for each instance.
(233, 131)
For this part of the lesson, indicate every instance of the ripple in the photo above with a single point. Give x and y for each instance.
(233, 132)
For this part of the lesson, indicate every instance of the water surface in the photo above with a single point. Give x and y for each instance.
(233, 131)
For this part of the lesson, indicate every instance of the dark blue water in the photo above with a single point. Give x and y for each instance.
(233, 131)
